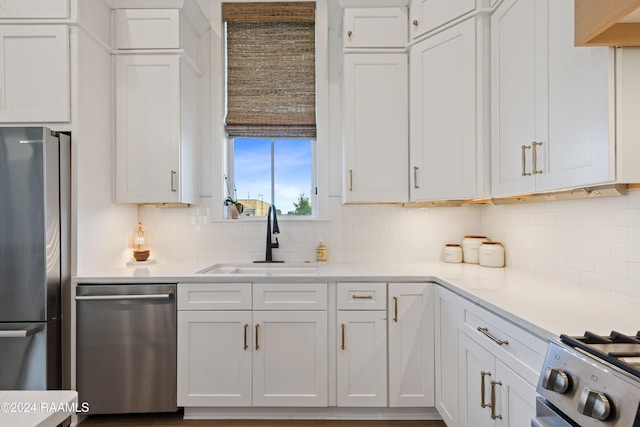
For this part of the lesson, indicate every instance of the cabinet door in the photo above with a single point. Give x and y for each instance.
(411, 344)
(516, 53)
(362, 358)
(444, 102)
(290, 358)
(476, 371)
(34, 73)
(448, 319)
(375, 27)
(517, 397)
(214, 358)
(427, 15)
(147, 128)
(581, 140)
(376, 143)
(34, 9)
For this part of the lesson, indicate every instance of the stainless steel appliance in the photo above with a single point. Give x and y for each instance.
(126, 347)
(590, 380)
(34, 255)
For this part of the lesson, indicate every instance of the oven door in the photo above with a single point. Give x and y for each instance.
(548, 416)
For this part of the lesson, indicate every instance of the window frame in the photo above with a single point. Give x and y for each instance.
(313, 197)
(221, 152)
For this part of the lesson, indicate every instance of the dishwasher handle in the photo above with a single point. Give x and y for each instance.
(124, 297)
(22, 332)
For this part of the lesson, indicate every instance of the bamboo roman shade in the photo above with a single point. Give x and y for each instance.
(270, 69)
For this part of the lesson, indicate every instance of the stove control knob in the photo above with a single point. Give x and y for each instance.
(556, 380)
(594, 404)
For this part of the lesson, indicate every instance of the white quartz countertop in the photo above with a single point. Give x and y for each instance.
(36, 408)
(545, 306)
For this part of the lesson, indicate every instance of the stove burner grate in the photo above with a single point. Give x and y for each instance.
(617, 349)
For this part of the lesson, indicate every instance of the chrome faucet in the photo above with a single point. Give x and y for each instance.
(276, 230)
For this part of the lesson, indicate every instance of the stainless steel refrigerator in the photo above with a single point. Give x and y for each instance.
(34, 255)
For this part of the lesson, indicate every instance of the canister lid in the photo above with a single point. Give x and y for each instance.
(475, 237)
(452, 244)
(491, 243)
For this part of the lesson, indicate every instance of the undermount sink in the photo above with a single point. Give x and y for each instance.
(268, 269)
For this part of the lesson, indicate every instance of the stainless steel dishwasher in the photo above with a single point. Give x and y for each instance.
(126, 347)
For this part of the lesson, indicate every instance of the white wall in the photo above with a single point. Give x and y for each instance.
(593, 242)
(101, 228)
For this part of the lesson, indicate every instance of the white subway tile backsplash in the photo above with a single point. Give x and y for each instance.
(593, 242)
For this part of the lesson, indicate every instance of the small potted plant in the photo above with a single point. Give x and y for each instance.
(235, 208)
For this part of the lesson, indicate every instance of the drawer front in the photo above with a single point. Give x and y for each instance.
(375, 27)
(214, 296)
(147, 28)
(362, 296)
(522, 351)
(290, 296)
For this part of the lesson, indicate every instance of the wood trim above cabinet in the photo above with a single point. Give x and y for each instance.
(607, 23)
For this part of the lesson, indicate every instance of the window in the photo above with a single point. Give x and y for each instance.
(279, 171)
(271, 105)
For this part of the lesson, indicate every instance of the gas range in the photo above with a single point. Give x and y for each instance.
(590, 380)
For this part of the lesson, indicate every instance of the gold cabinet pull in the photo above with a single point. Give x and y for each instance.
(415, 177)
(362, 296)
(257, 342)
(482, 387)
(349, 33)
(173, 176)
(246, 345)
(486, 333)
(415, 22)
(524, 160)
(395, 309)
(350, 179)
(493, 400)
(535, 158)
(343, 326)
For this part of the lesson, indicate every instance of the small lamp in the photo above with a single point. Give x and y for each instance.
(138, 240)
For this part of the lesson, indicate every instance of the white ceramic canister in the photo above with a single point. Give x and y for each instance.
(470, 246)
(452, 252)
(491, 254)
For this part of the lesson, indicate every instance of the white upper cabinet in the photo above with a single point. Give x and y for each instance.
(157, 103)
(34, 73)
(427, 15)
(156, 128)
(551, 102)
(147, 28)
(376, 146)
(447, 113)
(34, 9)
(375, 27)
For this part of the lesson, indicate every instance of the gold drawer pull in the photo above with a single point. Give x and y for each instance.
(485, 332)
(246, 346)
(482, 375)
(493, 400)
(362, 296)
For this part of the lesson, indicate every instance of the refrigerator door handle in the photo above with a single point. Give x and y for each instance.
(22, 332)
(123, 297)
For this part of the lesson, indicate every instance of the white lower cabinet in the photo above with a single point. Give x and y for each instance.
(245, 357)
(486, 366)
(491, 393)
(290, 358)
(214, 358)
(411, 344)
(362, 345)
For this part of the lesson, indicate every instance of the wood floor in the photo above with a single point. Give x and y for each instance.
(175, 420)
